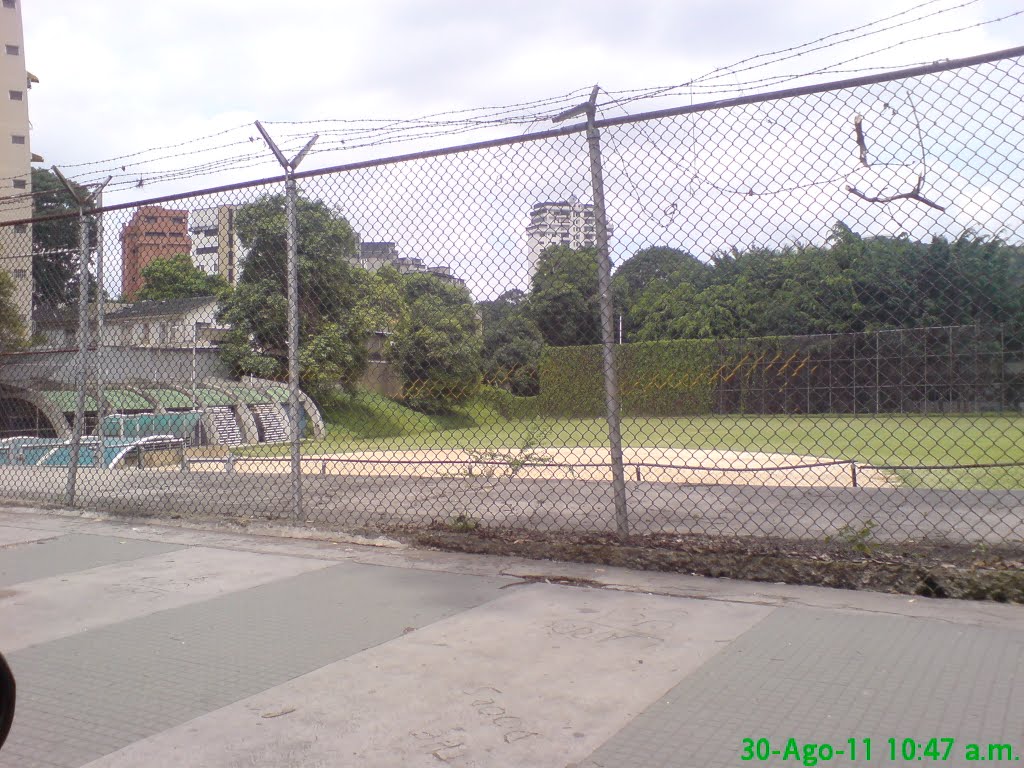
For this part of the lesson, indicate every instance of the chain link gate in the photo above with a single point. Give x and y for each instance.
(813, 327)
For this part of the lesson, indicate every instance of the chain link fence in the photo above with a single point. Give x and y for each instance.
(795, 315)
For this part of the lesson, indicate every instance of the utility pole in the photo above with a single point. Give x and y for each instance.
(613, 400)
(291, 195)
(84, 202)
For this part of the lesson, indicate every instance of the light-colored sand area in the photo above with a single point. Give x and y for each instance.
(660, 465)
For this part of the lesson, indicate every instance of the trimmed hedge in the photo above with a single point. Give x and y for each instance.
(656, 378)
(509, 406)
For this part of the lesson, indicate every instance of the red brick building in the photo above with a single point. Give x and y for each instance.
(152, 233)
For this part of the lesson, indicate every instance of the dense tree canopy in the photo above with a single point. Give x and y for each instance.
(852, 284)
(12, 329)
(333, 334)
(655, 265)
(563, 300)
(178, 278)
(437, 346)
(55, 243)
(512, 344)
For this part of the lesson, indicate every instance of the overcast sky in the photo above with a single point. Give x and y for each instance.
(121, 76)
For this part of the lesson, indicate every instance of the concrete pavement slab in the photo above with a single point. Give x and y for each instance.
(539, 677)
(827, 677)
(90, 694)
(46, 609)
(67, 554)
(10, 535)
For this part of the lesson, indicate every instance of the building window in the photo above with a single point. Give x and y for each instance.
(13, 50)
(150, 219)
(10, 4)
(204, 251)
(20, 184)
(19, 274)
(17, 139)
(16, 95)
(21, 227)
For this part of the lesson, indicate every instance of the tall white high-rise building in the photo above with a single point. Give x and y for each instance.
(15, 159)
(569, 223)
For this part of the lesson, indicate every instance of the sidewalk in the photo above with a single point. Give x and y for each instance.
(143, 645)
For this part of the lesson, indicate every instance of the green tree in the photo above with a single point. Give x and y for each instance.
(563, 299)
(852, 284)
(512, 344)
(55, 243)
(655, 267)
(333, 332)
(438, 345)
(12, 329)
(178, 278)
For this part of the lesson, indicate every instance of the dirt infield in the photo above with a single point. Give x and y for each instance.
(659, 465)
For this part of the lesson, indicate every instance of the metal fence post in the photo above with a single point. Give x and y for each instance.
(83, 330)
(101, 362)
(612, 397)
(294, 404)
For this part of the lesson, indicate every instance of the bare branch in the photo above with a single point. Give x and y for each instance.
(914, 195)
(860, 141)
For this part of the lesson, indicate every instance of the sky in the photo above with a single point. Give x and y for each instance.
(120, 79)
(121, 76)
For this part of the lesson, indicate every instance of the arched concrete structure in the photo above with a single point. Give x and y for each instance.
(51, 412)
(313, 416)
(244, 417)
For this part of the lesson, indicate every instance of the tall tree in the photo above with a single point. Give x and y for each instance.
(650, 267)
(178, 278)
(12, 329)
(333, 332)
(563, 299)
(55, 243)
(512, 344)
(438, 345)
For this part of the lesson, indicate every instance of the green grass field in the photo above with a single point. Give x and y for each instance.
(368, 422)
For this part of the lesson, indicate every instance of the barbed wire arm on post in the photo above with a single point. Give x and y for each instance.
(292, 234)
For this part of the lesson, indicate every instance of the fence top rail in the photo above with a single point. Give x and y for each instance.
(835, 85)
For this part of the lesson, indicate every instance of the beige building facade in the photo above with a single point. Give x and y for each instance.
(15, 158)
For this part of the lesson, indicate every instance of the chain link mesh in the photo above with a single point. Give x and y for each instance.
(818, 330)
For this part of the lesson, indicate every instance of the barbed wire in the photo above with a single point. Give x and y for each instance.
(792, 52)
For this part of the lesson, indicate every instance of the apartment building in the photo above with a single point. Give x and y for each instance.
(216, 248)
(15, 158)
(567, 222)
(152, 233)
(375, 255)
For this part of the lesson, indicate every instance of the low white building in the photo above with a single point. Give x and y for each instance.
(182, 323)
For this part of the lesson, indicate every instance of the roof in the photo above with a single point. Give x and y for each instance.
(59, 316)
(138, 310)
(144, 309)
